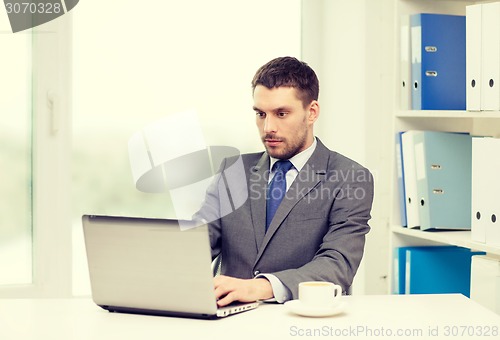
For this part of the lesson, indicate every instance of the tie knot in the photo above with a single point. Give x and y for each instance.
(282, 166)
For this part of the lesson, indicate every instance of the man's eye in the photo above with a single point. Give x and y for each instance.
(260, 114)
(282, 114)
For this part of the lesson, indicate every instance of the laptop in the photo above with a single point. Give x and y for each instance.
(151, 266)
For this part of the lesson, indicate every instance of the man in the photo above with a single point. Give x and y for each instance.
(318, 230)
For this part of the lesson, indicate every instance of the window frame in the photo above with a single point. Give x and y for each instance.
(51, 147)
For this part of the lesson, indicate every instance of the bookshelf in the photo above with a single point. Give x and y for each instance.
(455, 238)
(476, 123)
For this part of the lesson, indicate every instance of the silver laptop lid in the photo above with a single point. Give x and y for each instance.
(149, 264)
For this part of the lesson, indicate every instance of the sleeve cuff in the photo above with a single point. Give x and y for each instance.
(280, 292)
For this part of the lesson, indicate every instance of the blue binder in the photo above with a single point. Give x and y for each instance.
(444, 179)
(399, 270)
(438, 62)
(434, 269)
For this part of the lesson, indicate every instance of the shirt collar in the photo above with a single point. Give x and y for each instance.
(299, 160)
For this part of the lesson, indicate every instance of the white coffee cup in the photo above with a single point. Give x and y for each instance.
(317, 294)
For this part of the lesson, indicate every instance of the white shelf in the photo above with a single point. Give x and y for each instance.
(446, 114)
(456, 238)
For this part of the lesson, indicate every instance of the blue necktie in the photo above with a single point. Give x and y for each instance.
(277, 189)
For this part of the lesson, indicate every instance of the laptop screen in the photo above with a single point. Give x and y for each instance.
(149, 264)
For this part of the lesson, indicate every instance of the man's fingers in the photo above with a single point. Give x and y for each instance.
(221, 291)
(228, 289)
(225, 290)
(221, 286)
(226, 300)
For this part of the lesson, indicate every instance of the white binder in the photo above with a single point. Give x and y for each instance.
(490, 57)
(480, 186)
(492, 194)
(473, 56)
(410, 179)
(485, 282)
(405, 85)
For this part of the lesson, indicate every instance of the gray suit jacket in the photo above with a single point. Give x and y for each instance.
(318, 232)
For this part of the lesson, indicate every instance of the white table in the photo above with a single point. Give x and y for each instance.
(369, 316)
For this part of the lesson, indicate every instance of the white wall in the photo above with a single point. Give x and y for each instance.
(342, 94)
(349, 44)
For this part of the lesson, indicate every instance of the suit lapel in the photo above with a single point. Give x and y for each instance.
(257, 193)
(313, 172)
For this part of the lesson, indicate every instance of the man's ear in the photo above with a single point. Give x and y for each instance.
(313, 112)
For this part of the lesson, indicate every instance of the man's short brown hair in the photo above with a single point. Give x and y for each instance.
(290, 72)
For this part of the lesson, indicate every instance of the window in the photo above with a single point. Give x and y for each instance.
(15, 157)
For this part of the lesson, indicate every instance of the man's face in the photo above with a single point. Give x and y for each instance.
(285, 126)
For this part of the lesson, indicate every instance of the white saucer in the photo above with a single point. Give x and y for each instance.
(297, 307)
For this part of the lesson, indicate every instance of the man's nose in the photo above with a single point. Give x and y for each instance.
(270, 124)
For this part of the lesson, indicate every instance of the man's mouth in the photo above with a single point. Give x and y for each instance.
(272, 141)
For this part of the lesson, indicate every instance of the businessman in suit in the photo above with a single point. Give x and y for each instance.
(317, 232)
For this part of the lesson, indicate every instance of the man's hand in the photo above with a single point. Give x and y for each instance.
(229, 289)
